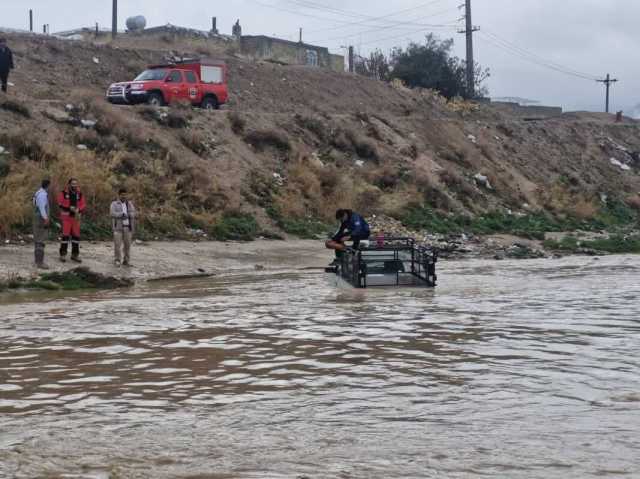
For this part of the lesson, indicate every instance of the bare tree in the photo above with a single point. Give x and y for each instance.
(375, 66)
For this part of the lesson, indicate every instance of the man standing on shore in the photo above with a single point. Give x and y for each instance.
(6, 63)
(41, 222)
(123, 214)
(72, 204)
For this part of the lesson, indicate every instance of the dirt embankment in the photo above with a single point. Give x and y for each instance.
(292, 144)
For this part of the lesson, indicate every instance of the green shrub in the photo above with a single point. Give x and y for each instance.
(177, 119)
(161, 226)
(305, 228)
(615, 213)
(615, 244)
(568, 243)
(79, 278)
(195, 141)
(5, 168)
(261, 139)
(364, 148)
(425, 218)
(313, 124)
(96, 230)
(15, 107)
(534, 226)
(238, 226)
(238, 123)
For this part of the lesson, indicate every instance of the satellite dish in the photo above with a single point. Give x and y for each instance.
(136, 24)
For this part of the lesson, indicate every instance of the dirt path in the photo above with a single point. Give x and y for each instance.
(162, 259)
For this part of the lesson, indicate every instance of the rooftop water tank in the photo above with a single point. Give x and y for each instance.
(136, 24)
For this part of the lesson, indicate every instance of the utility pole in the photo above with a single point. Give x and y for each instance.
(351, 60)
(468, 31)
(300, 35)
(31, 21)
(114, 20)
(608, 81)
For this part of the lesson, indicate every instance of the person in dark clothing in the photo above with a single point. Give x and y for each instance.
(6, 63)
(353, 227)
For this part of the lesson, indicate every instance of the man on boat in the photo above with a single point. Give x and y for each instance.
(353, 227)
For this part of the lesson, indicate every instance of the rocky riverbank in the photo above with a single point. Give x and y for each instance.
(503, 246)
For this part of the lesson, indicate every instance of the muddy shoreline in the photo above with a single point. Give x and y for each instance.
(168, 259)
(158, 260)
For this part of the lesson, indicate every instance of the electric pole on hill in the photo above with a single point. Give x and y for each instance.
(608, 81)
(469, 29)
(114, 20)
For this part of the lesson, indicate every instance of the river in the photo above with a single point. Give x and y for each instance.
(514, 369)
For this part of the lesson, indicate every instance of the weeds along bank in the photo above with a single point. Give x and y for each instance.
(293, 144)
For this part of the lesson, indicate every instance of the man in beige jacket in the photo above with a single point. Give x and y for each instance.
(123, 214)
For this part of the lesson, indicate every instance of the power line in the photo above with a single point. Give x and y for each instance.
(396, 25)
(376, 18)
(540, 58)
(326, 19)
(532, 57)
(380, 40)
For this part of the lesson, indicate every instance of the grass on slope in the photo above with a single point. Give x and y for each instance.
(613, 215)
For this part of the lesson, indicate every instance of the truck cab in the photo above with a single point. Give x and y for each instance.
(200, 82)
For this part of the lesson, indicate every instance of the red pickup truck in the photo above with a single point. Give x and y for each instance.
(200, 82)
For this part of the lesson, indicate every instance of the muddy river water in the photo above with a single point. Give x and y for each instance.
(524, 369)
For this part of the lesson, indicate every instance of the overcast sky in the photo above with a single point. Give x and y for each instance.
(587, 37)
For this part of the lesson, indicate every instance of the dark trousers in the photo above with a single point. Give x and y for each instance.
(40, 234)
(4, 79)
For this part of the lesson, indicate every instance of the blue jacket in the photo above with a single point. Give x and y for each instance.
(355, 226)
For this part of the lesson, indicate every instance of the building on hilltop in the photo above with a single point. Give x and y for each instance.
(261, 47)
(258, 47)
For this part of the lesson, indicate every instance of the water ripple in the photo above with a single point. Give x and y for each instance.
(511, 369)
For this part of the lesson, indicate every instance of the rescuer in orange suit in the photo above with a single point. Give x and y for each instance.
(72, 204)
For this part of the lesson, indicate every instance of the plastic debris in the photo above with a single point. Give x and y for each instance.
(483, 181)
(619, 164)
(278, 179)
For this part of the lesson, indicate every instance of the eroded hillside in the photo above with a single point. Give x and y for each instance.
(292, 144)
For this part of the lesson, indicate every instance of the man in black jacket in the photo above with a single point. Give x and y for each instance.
(6, 63)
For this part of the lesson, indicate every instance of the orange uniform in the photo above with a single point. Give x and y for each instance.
(72, 204)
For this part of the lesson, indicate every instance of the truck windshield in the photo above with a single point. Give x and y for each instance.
(152, 75)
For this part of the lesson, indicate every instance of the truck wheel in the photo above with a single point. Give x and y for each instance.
(210, 103)
(155, 99)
